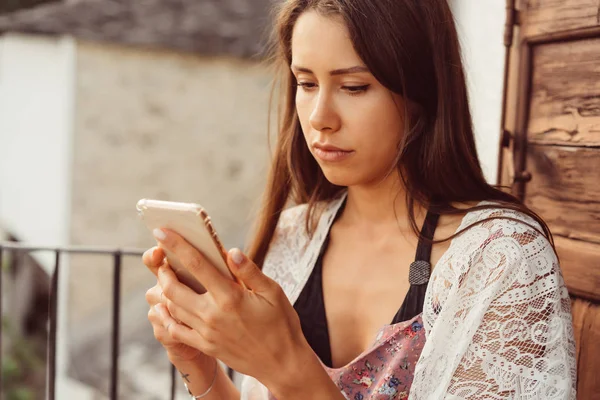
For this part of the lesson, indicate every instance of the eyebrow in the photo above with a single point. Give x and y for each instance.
(342, 71)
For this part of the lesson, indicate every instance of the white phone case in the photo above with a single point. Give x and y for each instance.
(191, 222)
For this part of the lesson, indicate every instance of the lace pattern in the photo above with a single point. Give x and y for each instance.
(498, 317)
(497, 314)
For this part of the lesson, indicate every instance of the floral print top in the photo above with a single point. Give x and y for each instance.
(385, 371)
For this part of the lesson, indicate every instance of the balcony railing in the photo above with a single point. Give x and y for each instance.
(117, 256)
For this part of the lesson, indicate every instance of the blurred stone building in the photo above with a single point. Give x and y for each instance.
(106, 102)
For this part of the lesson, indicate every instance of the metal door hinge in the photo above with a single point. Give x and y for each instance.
(522, 176)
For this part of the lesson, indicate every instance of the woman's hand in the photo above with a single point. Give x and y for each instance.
(253, 329)
(159, 315)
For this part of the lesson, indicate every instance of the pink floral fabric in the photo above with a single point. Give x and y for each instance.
(385, 371)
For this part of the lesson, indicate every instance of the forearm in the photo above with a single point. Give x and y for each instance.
(198, 374)
(305, 379)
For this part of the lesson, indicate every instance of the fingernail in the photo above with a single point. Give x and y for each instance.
(159, 234)
(237, 256)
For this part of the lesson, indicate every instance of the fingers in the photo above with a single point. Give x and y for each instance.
(155, 295)
(248, 273)
(158, 324)
(196, 263)
(153, 258)
(175, 292)
(171, 333)
(193, 319)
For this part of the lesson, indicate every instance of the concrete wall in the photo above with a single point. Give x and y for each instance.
(481, 30)
(168, 126)
(163, 125)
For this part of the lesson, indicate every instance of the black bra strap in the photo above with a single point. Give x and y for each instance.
(420, 269)
(427, 232)
(419, 273)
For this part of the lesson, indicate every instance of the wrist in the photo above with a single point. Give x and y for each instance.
(315, 383)
(203, 394)
(200, 360)
(203, 377)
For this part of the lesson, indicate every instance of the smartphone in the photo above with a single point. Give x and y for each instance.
(192, 222)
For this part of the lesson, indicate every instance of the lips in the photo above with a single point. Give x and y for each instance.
(330, 153)
(328, 147)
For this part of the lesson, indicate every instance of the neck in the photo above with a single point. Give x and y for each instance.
(381, 203)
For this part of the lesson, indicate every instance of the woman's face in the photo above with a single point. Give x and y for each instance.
(352, 123)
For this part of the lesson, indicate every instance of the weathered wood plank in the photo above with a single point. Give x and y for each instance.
(565, 99)
(548, 16)
(580, 264)
(507, 172)
(586, 323)
(579, 309)
(565, 189)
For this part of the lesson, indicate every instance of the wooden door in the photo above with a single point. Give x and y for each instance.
(550, 152)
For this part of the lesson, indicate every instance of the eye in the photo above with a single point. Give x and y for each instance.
(307, 86)
(355, 90)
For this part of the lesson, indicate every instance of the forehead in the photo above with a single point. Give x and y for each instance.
(322, 41)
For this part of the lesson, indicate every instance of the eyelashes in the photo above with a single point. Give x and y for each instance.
(356, 89)
(306, 86)
(352, 90)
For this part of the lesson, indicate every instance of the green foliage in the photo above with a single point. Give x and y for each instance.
(5, 263)
(21, 393)
(18, 366)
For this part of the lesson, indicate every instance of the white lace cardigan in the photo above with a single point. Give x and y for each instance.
(497, 314)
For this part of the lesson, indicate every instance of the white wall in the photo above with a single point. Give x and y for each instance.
(36, 90)
(36, 125)
(481, 30)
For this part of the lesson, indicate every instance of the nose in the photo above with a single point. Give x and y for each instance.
(324, 116)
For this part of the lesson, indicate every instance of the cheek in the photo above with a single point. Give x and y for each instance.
(378, 125)
(303, 103)
(303, 112)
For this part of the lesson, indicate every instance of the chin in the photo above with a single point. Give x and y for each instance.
(340, 176)
(348, 177)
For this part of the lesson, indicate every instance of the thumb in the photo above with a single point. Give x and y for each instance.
(247, 272)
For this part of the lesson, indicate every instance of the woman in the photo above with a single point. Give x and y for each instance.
(399, 273)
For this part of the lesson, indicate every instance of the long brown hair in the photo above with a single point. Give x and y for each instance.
(412, 48)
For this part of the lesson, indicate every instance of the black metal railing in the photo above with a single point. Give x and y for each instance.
(117, 255)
